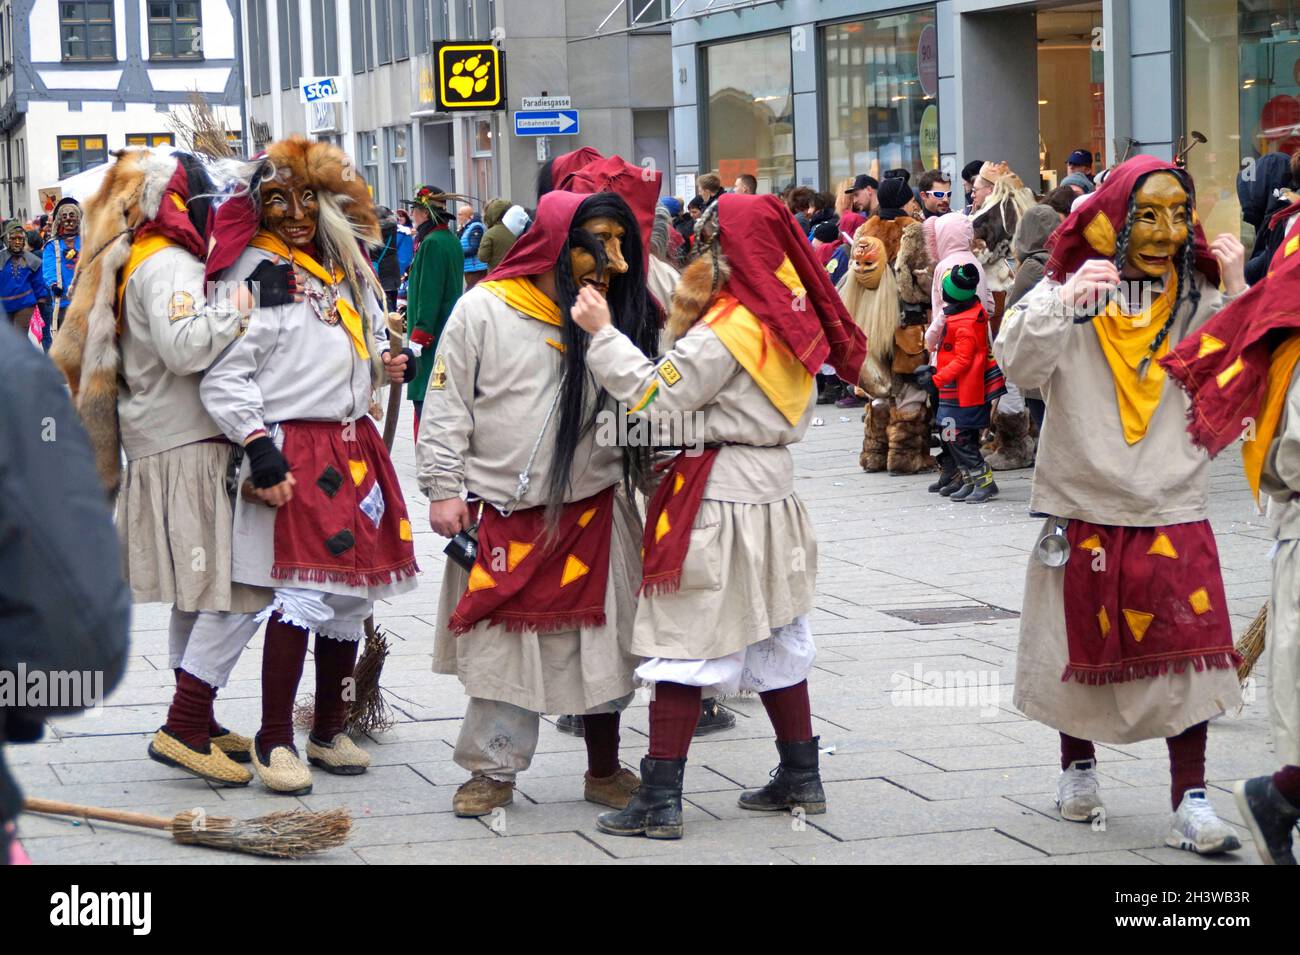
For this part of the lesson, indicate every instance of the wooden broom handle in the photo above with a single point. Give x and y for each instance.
(395, 344)
(96, 812)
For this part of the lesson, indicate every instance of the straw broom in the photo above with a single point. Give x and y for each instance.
(281, 835)
(1251, 644)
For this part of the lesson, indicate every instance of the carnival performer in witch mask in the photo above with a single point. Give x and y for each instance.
(325, 524)
(1130, 639)
(511, 446)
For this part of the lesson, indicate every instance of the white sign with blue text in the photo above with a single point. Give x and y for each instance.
(546, 122)
(320, 89)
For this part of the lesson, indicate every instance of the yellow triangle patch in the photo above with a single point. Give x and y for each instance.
(1138, 623)
(1229, 373)
(1200, 600)
(1103, 621)
(1292, 244)
(515, 552)
(1092, 543)
(573, 569)
(1162, 546)
(359, 471)
(1209, 345)
(678, 483)
(662, 527)
(586, 517)
(480, 579)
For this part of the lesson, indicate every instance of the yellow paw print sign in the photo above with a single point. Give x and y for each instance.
(470, 76)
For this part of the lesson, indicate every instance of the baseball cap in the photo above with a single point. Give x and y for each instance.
(863, 181)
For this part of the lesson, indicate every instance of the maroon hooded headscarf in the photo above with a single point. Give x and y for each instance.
(758, 234)
(635, 185)
(539, 247)
(566, 164)
(1090, 231)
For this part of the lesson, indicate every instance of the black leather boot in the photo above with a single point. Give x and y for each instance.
(656, 808)
(796, 782)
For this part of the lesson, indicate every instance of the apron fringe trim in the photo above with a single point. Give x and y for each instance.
(1142, 669)
(539, 622)
(325, 575)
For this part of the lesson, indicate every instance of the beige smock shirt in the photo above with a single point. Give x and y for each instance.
(493, 382)
(170, 334)
(751, 565)
(1087, 470)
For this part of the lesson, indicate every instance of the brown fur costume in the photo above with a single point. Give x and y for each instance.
(888, 231)
(85, 348)
(694, 293)
(913, 267)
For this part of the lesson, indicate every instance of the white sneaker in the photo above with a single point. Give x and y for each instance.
(1077, 791)
(1197, 828)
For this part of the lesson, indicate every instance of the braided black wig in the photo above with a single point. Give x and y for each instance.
(632, 312)
(1184, 264)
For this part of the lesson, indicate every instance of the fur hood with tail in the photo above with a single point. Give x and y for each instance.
(86, 348)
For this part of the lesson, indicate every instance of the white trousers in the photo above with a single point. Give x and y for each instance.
(325, 615)
(1013, 402)
(499, 739)
(206, 644)
(782, 660)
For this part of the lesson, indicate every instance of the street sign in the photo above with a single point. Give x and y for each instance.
(546, 122)
(471, 76)
(320, 89)
(545, 102)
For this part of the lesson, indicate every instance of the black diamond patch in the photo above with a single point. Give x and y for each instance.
(330, 481)
(340, 542)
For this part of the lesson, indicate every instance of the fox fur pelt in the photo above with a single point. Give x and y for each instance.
(85, 347)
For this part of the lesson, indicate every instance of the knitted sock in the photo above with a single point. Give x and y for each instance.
(674, 714)
(790, 712)
(600, 733)
(1074, 749)
(283, 652)
(1187, 761)
(1287, 781)
(335, 661)
(187, 718)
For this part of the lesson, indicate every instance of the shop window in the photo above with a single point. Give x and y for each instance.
(151, 139)
(881, 96)
(749, 120)
(398, 161)
(79, 153)
(1242, 90)
(175, 31)
(87, 31)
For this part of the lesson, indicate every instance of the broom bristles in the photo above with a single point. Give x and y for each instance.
(369, 712)
(281, 835)
(1251, 644)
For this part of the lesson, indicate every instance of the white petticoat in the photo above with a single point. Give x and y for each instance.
(340, 616)
(782, 660)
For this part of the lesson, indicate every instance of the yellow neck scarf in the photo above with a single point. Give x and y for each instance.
(523, 296)
(1124, 340)
(141, 249)
(781, 376)
(351, 318)
(1280, 370)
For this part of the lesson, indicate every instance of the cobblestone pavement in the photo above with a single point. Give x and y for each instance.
(913, 775)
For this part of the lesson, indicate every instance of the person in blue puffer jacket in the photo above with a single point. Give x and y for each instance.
(22, 286)
(471, 234)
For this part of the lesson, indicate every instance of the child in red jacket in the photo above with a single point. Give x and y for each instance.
(966, 379)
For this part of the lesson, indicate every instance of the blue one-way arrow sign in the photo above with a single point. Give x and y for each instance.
(546, 122)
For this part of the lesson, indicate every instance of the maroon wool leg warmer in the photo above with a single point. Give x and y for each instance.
(1287, 781)
(1187, 761)
(1074, 749)
(191, 711)
(790, 712)
(335, 662)
(283, 652)
(674, 714)
(600, 732)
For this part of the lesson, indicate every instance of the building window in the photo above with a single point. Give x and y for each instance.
(358, 32)
(401, 46)
(441, 22)
(749, 118)
(384, 32)
(87, 31)
(475, 19)
(646, 11)
(290, 45)
(79, 153)
(398, 155)
(259, 54)
(175, 31)
(368, 153)
(151, 139)
(325, 37)
(430, 24)
(880, 100)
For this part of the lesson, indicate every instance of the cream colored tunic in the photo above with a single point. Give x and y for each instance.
(174, 511)
(1086, 470)
(480, 421)
(752, 562)
(1281, 482)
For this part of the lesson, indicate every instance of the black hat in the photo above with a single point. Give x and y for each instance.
(903, 174)
(960, 284)
(972, 169)
(827, 231)
(1080, 157)
(894, 193)
(863, 182)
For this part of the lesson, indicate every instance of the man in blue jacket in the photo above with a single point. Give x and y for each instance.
(59, 257)
(21, 283)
